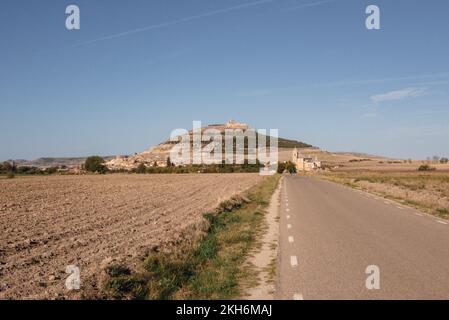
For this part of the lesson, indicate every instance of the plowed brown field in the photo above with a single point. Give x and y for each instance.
(47, 223)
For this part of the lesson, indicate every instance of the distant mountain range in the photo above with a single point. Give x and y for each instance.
(54, 162)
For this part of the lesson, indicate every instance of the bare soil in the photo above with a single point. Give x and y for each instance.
(264, 258)
(48, 223)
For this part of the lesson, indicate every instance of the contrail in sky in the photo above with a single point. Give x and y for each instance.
(311, 4)
(173, 22)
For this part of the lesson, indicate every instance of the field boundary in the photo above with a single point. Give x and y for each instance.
(213, 266)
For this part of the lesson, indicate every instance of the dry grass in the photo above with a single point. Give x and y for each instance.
(426, 191)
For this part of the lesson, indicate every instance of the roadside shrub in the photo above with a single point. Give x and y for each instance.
(426, 167)
(127, 287)
(444, 160)
(289, 166)
(95, 164)
(117, 270)
(442, 212)
(281, 167)
(10, 175)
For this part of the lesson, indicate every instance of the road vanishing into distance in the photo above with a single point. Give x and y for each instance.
(330, 234)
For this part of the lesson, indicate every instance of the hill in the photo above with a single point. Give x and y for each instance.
(157, 156)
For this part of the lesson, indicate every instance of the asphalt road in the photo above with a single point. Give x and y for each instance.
(330, 234)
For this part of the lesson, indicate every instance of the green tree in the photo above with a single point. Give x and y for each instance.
(169, 163)
(7, 167)
(95, 164)
(281, 167)
(141, 168)
(291, 167)
(51, 170)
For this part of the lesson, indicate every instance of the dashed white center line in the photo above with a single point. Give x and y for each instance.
(442, 222)
(289, 226)
(290, 239)
(287, 209)
(298, 296)
(293, 261)
(288, 217)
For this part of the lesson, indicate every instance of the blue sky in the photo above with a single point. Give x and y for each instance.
(138, 69)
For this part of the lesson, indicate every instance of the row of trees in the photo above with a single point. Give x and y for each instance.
(437, 159)
(287, 166)
(211, 168)
(10, 169)
(96, 164)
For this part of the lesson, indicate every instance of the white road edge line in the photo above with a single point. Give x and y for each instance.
(442, 222)
(293, 261)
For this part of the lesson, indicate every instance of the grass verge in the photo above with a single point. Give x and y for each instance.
(212, 268)
(428, 192)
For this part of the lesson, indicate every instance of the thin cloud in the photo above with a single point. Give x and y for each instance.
(432, 81)
(407, 93)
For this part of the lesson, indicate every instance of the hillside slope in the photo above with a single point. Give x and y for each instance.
(158, 155)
